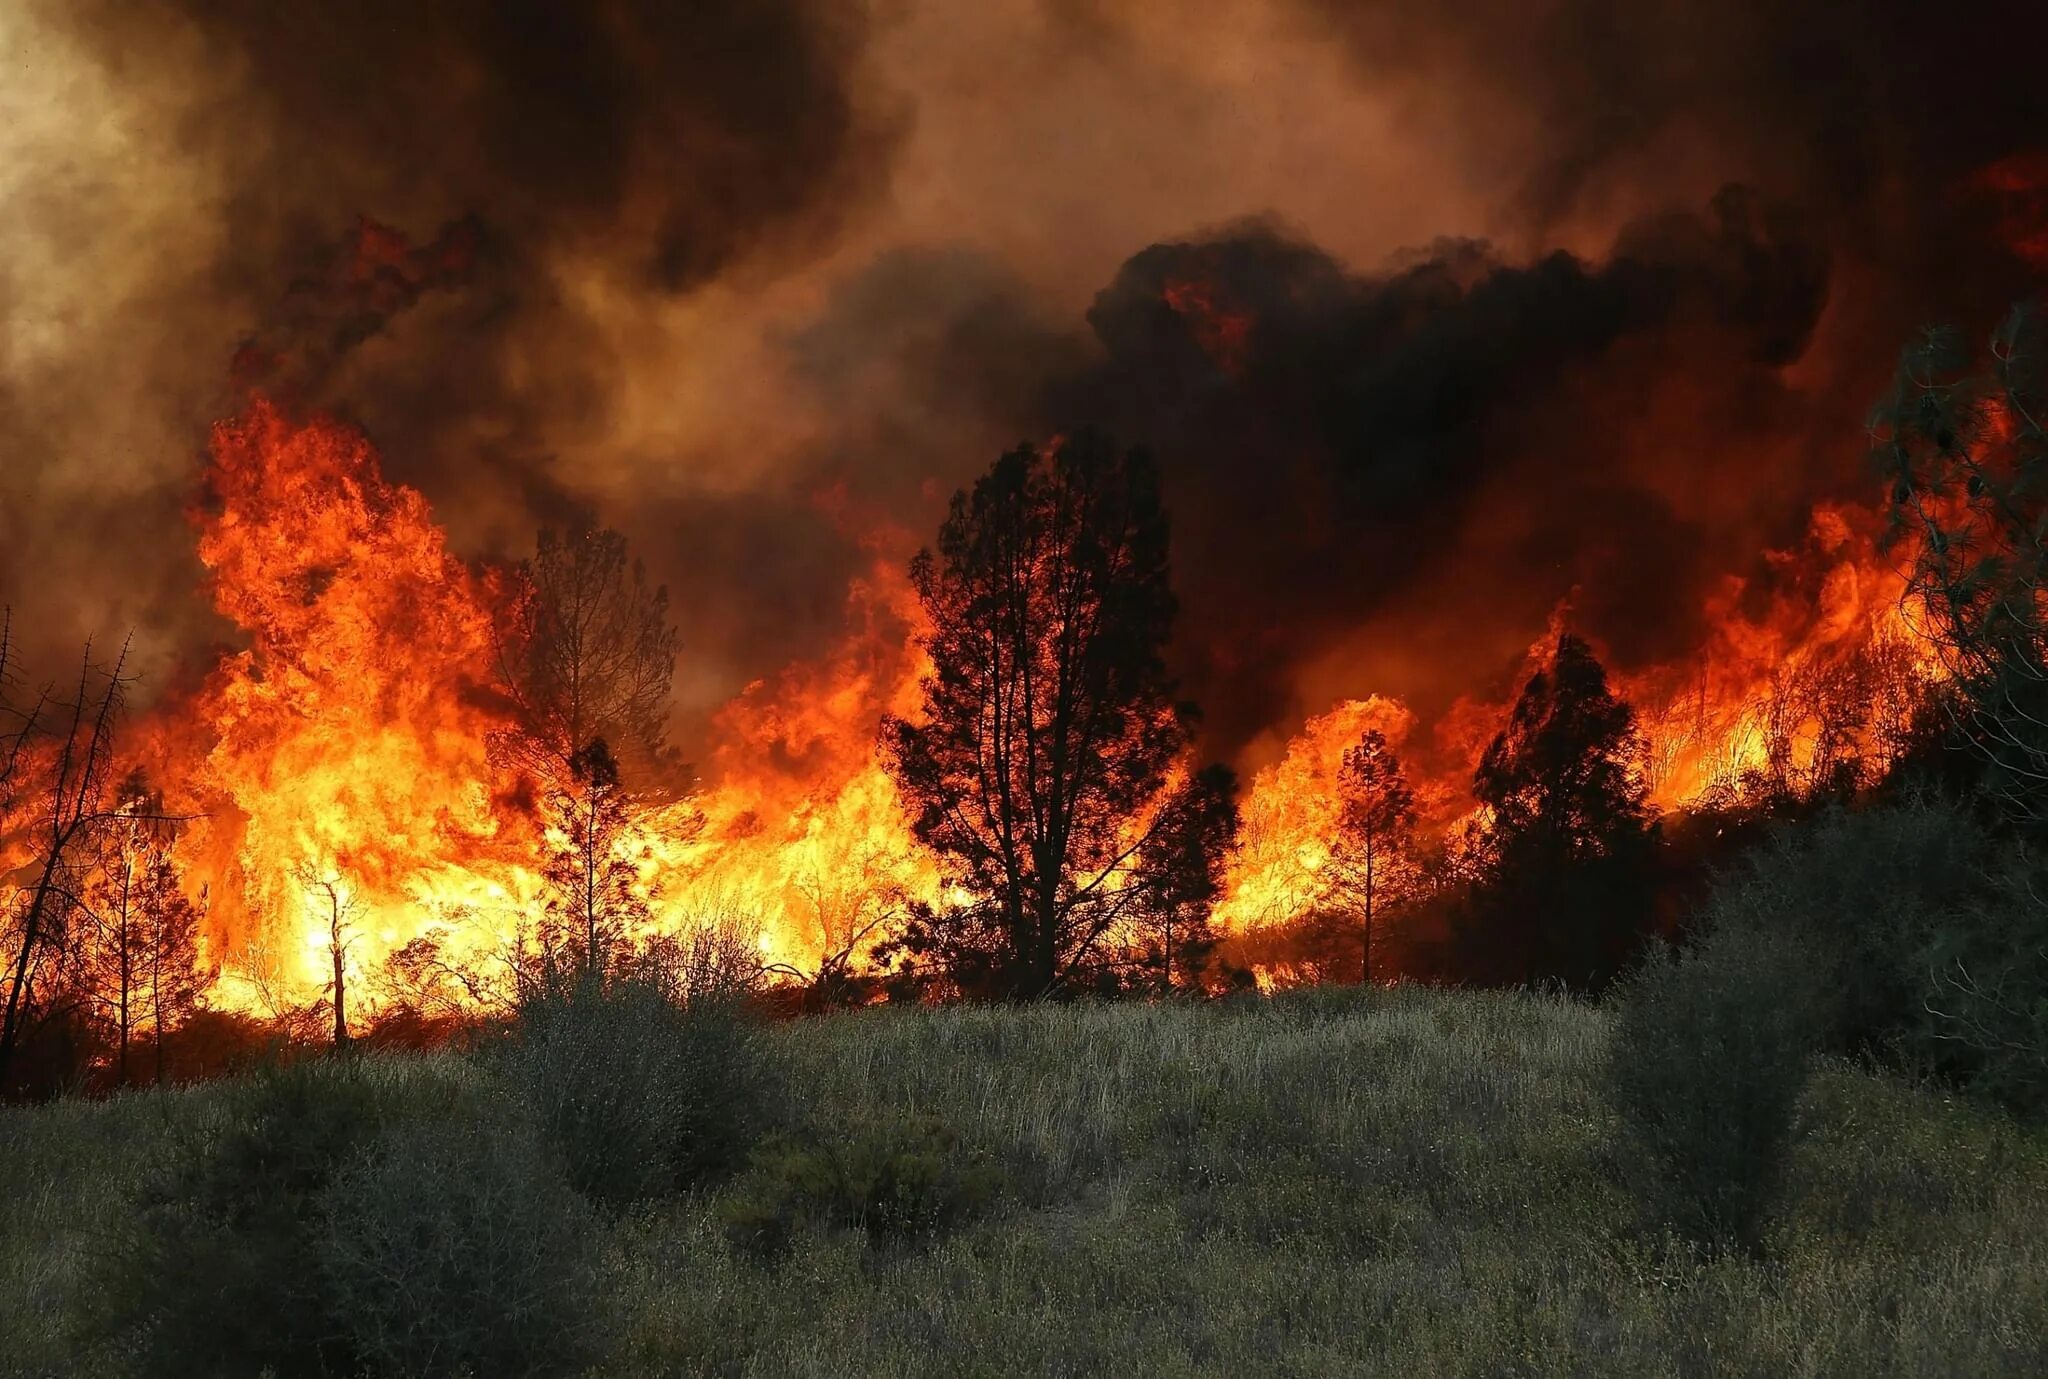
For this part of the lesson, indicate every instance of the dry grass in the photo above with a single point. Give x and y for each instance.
(1403, 1183)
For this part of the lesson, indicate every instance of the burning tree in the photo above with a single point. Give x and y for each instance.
(139, 952)
(1048, 724)
(334, 904)
(1181, 871)
(1373, 853)
(54, 767)
(1564, 852)
(593, 901)
(1967, 459)
(590, 652)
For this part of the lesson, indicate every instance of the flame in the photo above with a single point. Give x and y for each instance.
(349, 737)
(803, 826)
(1789, 694)
(339, 764)
(1288, 819)
(1824, 678)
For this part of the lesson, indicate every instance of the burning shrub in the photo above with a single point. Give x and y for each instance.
(448, 1251)
(897, 1180)
(638, 1095)
(1710, 1051)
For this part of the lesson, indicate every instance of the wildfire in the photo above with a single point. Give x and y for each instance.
(348, 739)
(803, 827)
(1289, 816)
(340, 767)
(349, 801)
(1820, 681)
(348, 796)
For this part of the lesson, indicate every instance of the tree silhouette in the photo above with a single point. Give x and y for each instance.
(1181, 871)
(334, 903)
(1048, 722)
(1966, 458)
(1373, 853)
(587, 653)
(167, 935)
(72, 742)
(111, 953)
(1565, 852)
(593, 903)
(139, 955)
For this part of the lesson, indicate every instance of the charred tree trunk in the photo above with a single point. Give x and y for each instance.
(340, 997)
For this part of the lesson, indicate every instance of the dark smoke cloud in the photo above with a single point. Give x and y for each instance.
(560, 155)
(1870, 112)
(1384, 474)
(673, 138)
(1329, 436)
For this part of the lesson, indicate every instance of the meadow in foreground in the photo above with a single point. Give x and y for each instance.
(1394, 1182)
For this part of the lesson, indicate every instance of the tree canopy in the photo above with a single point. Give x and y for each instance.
(589, 651)
(1566, 842)
(1048, 728)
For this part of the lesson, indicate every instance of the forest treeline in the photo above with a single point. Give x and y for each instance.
(1055, 772)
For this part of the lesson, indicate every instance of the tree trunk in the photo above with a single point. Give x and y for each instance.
(31, 935)
(1365, 965)
(340, 989)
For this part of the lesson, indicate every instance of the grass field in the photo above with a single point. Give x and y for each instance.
(1404, 1183)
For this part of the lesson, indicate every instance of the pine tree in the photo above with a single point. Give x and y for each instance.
(1373, 855)
(1566, 850)
(594, 902)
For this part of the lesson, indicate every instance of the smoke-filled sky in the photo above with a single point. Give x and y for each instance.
(1435, 315)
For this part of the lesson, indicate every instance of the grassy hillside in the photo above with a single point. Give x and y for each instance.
(1404, 1183)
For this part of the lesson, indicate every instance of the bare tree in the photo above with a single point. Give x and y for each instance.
(72, 808)
(328, 891)
(589, 653)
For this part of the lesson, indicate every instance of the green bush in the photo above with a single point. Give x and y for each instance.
(1983, 1015)
(896, 1180)
(1928, 928)
(451, 1247)
(1864, 891)
(220, 1272)
(637, 1095)
(1710, 1050)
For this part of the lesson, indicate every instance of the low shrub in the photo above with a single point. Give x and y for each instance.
(1710, 1050)
(1983, 1011)
(220, 1271)
(897, 1180)
(637, 1095)
(1928, 927)
(455, 1248)
(1864, 891)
